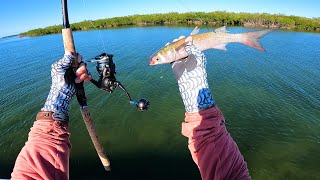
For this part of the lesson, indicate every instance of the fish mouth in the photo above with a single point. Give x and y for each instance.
(153, 61)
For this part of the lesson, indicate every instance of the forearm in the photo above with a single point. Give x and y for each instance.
(211, 146)
(46, 153)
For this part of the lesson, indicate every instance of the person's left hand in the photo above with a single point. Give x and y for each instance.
(192, 80)
(62, 88)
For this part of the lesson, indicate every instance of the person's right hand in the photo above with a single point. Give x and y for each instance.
(192, 79)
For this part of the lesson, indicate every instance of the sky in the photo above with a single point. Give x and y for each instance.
(19, 16)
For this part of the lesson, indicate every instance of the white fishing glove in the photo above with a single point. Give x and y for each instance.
(62, 88)
(192, 79)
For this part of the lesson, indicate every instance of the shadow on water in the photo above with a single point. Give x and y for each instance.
(135, 167)
(138, 166)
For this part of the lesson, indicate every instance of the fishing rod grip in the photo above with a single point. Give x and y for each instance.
(68, 44)
(94, 138)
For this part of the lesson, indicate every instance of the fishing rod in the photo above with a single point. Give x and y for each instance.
(80, 93)
(106, 82)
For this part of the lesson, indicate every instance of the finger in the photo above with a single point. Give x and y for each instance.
(88, 78)
(82, 77)
(81, 70)
(181, 37)
(77, 80)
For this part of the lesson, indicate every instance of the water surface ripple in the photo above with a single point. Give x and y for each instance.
(270, 102)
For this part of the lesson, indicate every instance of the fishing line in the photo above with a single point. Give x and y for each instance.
(100, 35)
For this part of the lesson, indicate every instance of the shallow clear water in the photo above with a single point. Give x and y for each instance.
(270, 102)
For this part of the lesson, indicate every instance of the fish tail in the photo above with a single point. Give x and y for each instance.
(252, 39)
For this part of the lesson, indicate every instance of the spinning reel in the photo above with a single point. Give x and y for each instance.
(108, 82)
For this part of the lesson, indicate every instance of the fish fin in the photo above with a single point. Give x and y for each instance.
(252, 39)
(221, 30)
(221, 47)
(181, 47)
(195, 31)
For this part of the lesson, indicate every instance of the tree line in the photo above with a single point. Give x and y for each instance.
(216, 18)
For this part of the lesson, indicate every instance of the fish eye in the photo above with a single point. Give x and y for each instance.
(158, 59)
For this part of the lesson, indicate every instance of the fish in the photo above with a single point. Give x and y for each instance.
(217, 39)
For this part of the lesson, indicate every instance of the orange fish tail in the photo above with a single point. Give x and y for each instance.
(252, 39)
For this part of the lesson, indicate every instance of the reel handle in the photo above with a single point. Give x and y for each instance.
(142, 104)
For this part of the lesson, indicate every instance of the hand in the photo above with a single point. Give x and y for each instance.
(62, 90)
(192, 79)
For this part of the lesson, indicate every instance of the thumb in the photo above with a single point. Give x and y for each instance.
(178, 67)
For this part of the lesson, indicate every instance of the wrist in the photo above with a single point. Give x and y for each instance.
(50, 115)
(196, 98)
(58, 102)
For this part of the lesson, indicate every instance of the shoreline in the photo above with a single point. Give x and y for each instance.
(216, 18)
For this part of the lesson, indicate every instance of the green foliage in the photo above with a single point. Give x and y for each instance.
(214, 18)
(43, 31)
